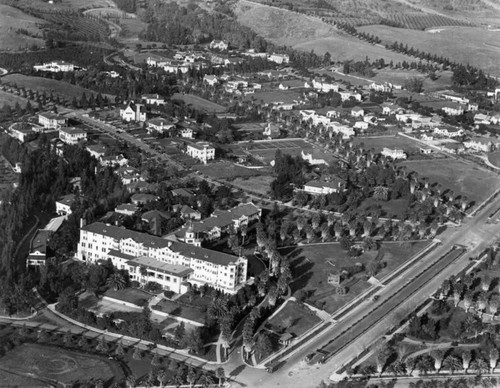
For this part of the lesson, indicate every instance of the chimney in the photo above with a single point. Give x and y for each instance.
(83, 222)
(137, 112)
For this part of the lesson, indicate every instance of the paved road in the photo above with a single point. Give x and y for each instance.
(398, 299)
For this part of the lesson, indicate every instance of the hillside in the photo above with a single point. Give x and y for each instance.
(476, 46)
(18, 30)
(307, 33)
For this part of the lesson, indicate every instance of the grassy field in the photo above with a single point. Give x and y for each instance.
(378, 143)
(476, 46)
(399, 77)
(199, 103)
(463, 178)
(12, 20)
(312, 264)
(294, 318)
(307, 33)
(54, 363)
(63, 89)
(11, 99)
(175, 309)
(228, 170)
(258, 184)
(394, 208)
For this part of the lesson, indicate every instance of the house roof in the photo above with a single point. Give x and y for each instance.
(160, 266)
(331, 185)
(151, 241)
(51, 116)
(67, 199)
(160, 121)
(142, 197)
(126, 207)
(183, 192)
(152, 97)
(152, 214)
(97, 148)
(72, 130)
(200, 146)
(39, 241)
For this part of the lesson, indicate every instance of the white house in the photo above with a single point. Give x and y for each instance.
(453, 109)
(450, 132)
(72, 135)
(160, 125)
(151, 258)
(219, 45)
(346, 131)
(361, 125)
(357, 112)
(97, 151)
(314, 160)
(480, 144)
(346, 95)
(394, 153)
(385, 87)
(132, 112)
(212, 80)
(55, 67)
(38, 248)
(153, 99)
(201, 151)
(50, 120)
(325, 87)
(324, 188)
(279, 58)
(21, 134)
(63, 204)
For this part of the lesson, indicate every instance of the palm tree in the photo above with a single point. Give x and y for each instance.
(438, 356)
(218, 308)
(494, 304)
(162, 377)
(493, 357)
(467, 300)
(116, 281)
(244, 232)
(466, 358)
(381, 193)
(131, 381)
(220, 374)
(482, 302)
(325, 232)
(191, 376)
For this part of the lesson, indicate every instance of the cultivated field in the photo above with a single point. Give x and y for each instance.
(476, 46)
(57, 364)
(313, 263)
(199, 103)
(494, 158)
(68, 4)
(461, 177)
(63, 89)
(12, 20)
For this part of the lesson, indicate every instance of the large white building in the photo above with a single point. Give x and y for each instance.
(323, 188)
(132, 112)
(279, 58)
(55, 67)
(201, 151)
(51, 120)
(394, 153)
(72, 135)
(169, 263)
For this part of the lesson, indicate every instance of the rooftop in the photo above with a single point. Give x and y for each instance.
(67, 199)
(72, 130)
(160, 266)
(39, 241)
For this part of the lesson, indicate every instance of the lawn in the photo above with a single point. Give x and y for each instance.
(294, 318)
(130, 295)
(63, 89)
(464, 178)
(476, 46)
(228, 170)
(312, 264)
(257, 184)
(394, 208)
(62, 365)
(494, 158)
(176, 309)
(199, 103)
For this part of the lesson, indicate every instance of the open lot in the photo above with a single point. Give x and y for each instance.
(229, 171)
(294, 318)
(54, 363)
(258, 184)
(463, 178)
(394, 208)
(399, 77)
(199, 103)
(313, 263)
(494, 158)
(63, 89)
(192, 313)
(477, 46)
(130, 295)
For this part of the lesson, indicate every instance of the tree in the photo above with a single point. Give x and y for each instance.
(137, 354)
(438, 356)
(218, 309)
(191, 376)
(381, 193)
(220, 374)
(119, 351)
(263, 345)
(102, 346)
(494, 304)
(493, 357)
(466, 358)
(162, 377)
(131, 381)
(452, 363)
(156, 360)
